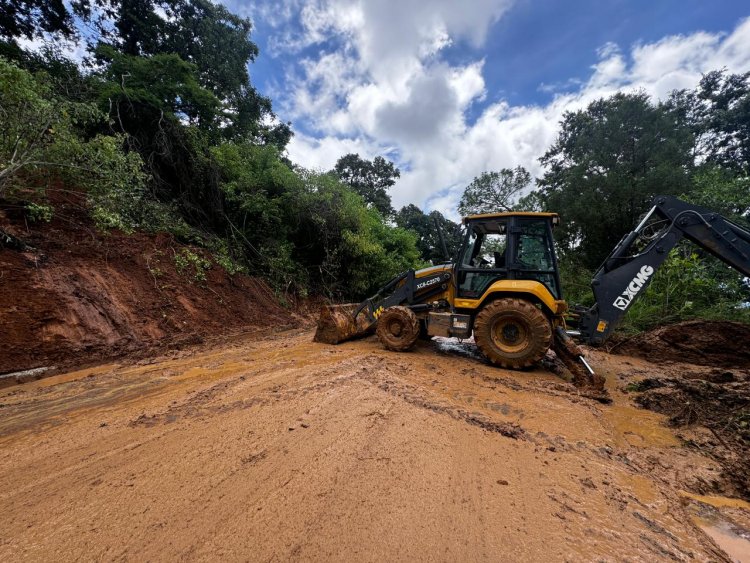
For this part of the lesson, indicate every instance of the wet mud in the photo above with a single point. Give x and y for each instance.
(706, 343)
(279, 448)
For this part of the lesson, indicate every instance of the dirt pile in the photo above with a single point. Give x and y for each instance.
(712, 407)
(71, 295)
(701, 381)
(718, 401)
(709, 343)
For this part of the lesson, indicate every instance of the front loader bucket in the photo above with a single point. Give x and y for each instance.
(337, 324)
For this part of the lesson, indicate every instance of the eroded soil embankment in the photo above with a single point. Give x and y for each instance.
(285, 449)
(699, 376)
(709, 343)
(71, 295)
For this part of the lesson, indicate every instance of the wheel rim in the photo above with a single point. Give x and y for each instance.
(395, 328)
(510, 335)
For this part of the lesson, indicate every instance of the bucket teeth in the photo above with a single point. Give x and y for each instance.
(590, 384)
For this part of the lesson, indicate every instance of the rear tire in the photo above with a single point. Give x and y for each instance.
(398, 328)
(512, 333)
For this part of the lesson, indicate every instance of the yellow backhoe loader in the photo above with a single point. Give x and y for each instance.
(503, 287)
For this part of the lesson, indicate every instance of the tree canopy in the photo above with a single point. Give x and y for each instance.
(29, 19)
(165, 131)
(425, 226)
(719, 112)
(494, 191)
(369, 178)
(607, 163)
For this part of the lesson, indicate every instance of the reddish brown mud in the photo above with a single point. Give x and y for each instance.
(282, 448)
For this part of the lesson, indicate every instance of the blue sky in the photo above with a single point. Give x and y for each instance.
(449, 88)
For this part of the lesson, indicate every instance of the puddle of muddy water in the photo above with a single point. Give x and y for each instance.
(705, 512)
(725, 535)
(466, 348)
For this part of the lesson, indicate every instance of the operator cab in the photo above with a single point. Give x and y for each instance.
(512, 246)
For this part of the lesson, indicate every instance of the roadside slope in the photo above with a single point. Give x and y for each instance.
(71, 295)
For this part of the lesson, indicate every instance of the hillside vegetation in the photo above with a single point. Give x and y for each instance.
(161, 130)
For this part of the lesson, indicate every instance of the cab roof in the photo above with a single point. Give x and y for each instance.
(554, 216)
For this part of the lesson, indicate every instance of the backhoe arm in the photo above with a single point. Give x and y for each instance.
(628, 270)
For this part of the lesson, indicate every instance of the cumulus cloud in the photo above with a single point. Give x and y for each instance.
(377, 83)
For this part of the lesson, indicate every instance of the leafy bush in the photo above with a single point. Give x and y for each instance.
(689, 286)
(42, 136)
(187, 261)
(576, 281)
(347, 249)
(39, 212)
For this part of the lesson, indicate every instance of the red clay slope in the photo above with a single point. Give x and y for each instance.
(79, 296)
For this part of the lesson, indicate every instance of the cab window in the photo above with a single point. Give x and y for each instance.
(534, 254)
(484, 258)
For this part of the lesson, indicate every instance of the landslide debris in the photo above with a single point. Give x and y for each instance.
(708, 343)
(702, 383)
(72, 295)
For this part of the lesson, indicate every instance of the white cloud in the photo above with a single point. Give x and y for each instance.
(73, 50)
(379, 85)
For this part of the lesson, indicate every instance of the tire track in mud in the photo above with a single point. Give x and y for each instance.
(411, 395)
(370, 369)
(336, 446)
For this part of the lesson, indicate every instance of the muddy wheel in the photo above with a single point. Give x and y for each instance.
(398, 328)
(512, 333)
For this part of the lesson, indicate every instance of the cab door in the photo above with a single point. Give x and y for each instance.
(534, 253)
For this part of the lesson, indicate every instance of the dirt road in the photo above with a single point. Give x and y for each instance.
(283, 449)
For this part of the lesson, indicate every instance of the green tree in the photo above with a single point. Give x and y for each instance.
(370, 179)
(721, 190)
(533, 201)
(424, 226)
(491, 192)
(157, 88)
(133, 26)
(43, 136)
(31, 18)
(346, 248)
(607, 163)
(719, 112)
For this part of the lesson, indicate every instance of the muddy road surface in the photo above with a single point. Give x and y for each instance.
(285, 449)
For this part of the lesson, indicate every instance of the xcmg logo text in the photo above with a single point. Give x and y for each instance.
(635, 285)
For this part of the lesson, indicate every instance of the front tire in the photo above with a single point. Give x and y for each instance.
(398, 328)
(512, 333)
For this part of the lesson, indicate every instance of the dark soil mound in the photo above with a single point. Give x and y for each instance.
(718, 400)
(710, 343)
(71, 295)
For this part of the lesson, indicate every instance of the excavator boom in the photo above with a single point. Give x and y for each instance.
(628, 270)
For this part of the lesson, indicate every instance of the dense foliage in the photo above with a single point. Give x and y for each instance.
(162, 130)
(428, 228)
(370, 179)
(606, 165)
(613, 157)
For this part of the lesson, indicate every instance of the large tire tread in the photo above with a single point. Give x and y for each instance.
(537, 324)
(409, 324)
